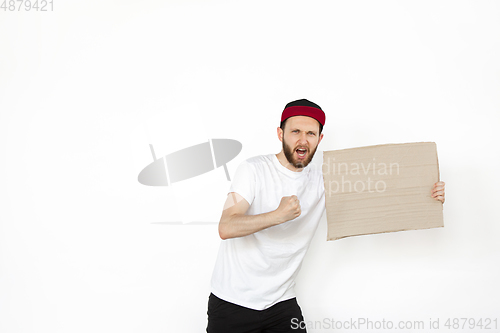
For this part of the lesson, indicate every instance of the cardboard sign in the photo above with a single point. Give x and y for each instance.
(382, 188)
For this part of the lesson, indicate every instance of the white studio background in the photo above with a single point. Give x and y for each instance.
(85, 88)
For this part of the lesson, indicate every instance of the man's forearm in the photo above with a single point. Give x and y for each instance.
(240, 225)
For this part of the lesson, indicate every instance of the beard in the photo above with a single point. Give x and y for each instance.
(292, 158)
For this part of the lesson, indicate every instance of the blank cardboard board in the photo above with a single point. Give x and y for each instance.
(382, 188)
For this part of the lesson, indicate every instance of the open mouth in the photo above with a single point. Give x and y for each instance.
(301, 152)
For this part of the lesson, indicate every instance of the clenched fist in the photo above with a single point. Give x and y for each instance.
(288, 209)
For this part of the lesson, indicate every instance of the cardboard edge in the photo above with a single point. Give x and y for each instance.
(382, 232)
(437, 161)
(381, 144)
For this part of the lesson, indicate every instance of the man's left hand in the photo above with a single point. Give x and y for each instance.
(437, 191)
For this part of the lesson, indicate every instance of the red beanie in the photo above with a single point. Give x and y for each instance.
(303, 107)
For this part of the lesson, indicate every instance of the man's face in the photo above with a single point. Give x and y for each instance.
(300, 140)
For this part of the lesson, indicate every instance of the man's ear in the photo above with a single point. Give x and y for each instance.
(320, 138)
(280, 134)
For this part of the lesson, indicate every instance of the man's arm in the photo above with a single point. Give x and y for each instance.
(234, 223)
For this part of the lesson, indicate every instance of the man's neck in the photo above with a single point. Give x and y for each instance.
(284, 162)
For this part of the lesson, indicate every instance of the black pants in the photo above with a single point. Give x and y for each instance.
(226, 317)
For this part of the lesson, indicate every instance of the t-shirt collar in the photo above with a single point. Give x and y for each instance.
(287, 171)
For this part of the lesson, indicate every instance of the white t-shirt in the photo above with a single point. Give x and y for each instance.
(258, 270)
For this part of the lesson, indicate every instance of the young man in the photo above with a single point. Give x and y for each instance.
(272, 211)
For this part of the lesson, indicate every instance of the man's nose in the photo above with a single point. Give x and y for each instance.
(303, 138)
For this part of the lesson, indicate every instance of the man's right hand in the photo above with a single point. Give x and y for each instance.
(235, 222)
(288, 209)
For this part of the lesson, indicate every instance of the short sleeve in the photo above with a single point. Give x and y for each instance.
(243, 181)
